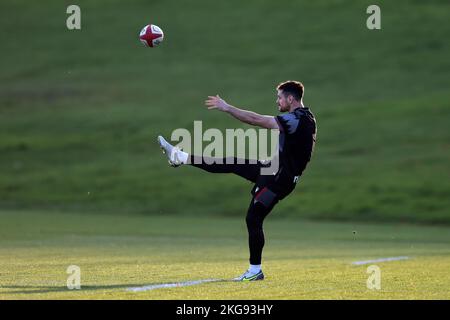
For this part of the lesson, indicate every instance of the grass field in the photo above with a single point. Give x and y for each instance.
(303, 260)
(80, 110)
(83, 182)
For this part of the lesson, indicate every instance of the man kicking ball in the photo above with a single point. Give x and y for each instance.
(295, 146)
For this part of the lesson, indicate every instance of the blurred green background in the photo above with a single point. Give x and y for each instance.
(80, 110)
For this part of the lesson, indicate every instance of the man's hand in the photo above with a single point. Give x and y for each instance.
(216, 102)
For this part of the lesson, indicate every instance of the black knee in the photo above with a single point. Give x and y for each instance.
(254, 219)
(252, 222)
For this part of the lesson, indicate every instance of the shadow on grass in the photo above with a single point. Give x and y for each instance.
(128, 286)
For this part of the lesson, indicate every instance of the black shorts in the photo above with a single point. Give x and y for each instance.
(267, 189)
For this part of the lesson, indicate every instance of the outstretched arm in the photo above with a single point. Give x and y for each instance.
(253, 118)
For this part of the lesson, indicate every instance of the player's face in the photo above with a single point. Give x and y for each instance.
(282, 102)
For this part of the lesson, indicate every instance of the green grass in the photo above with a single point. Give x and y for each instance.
(302, 260)
(80, 110)
(83, 182)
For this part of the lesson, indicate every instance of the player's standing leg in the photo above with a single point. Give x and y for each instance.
(260, 206)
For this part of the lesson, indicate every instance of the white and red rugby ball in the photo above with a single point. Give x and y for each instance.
(151, 35)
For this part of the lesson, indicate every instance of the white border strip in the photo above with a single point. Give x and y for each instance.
(171, 285)
(358, 263)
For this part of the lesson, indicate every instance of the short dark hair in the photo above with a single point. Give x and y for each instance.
(294, 88)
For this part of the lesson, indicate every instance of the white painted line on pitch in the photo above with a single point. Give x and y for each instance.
(358, 263)
(171, 285)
